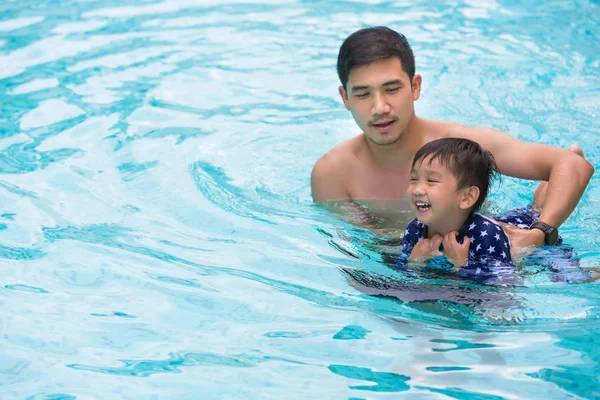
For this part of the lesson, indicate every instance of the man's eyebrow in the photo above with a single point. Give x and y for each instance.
(365, 87)
(359, 88)
(394, 82)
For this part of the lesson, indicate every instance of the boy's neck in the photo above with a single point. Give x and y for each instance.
(451, 224)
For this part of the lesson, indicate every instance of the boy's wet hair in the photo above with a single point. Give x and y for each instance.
(468, 162)
(371, 44)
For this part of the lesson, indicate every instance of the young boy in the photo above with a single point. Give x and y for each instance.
(448, 183)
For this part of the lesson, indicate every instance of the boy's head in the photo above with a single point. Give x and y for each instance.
(449, 175)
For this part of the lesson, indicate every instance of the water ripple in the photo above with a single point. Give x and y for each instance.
(155, 161)
(145, 368)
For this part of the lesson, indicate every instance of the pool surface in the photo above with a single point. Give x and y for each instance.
(157, 235)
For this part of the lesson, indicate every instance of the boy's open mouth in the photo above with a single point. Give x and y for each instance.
(422, 206)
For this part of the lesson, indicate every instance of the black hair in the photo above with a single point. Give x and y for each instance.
(371, 44)
(468, 162)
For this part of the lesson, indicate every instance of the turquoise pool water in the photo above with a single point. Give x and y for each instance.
(157, 235)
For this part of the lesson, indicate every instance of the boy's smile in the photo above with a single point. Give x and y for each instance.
(421, 206)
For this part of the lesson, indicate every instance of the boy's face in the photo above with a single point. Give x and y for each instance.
(433, 195)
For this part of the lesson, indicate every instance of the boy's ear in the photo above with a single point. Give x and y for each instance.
(469, 197)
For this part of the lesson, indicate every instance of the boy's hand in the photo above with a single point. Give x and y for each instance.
(457, 254)
(427, 248)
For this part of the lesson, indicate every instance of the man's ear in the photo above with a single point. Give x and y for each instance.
(416, 86)
(470, 196)
(344, 97)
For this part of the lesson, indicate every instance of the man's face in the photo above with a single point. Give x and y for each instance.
(381, 98)
(432, 192)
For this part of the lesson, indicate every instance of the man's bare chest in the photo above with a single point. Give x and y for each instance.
(388, 185)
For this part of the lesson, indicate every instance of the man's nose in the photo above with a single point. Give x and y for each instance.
(380, 104)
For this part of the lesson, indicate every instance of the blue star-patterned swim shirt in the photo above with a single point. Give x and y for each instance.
(489, 250)
(489, 258)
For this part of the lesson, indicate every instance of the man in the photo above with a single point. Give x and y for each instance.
(369, 173)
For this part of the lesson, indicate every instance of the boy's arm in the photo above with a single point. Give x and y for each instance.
(567, 174)
(489, 256)
(409, 240)
(415, 247)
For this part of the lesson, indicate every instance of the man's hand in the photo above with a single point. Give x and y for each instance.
(457, 254)
(427, 248)
(522, 241)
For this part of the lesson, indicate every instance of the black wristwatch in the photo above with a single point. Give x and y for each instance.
(550, 232)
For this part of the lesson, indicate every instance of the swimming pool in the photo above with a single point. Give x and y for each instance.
(158, 239)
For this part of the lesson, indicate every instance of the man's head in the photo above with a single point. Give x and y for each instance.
(379, 86)
(449, 175)
(372, 44)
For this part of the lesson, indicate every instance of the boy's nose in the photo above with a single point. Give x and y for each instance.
(418, 190)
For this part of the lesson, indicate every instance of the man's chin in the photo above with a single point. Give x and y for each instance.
(383, 141)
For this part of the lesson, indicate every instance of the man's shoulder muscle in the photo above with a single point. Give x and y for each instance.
(328, 178)
(436, 129)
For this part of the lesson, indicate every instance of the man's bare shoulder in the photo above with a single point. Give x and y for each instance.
(329, 178)
(436, 129)
(341, 156)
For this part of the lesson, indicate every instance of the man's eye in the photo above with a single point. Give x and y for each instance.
(393, 90)
(432, 181)
(362, 95)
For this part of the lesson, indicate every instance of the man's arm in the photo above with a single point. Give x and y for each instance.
(567, 173)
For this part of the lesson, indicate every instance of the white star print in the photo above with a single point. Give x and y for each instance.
(519, 220)
(481, 235)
